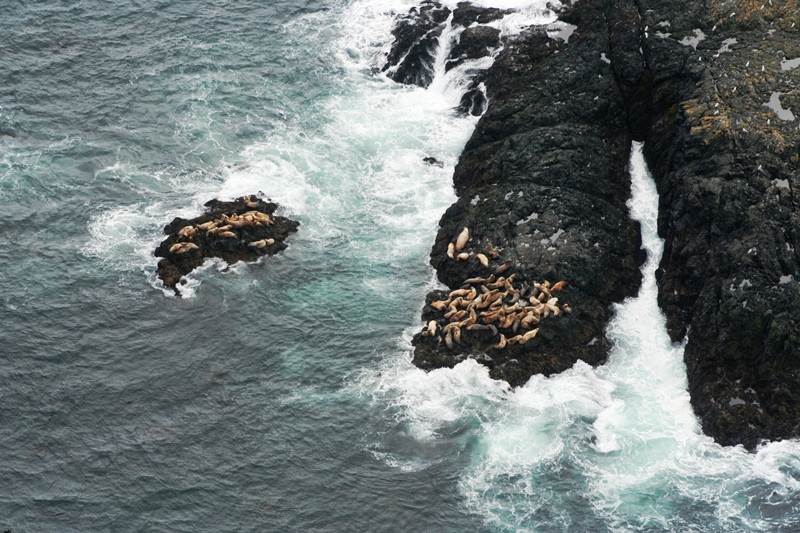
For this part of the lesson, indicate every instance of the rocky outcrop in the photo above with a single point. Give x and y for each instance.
(544, 180)
(416, 36)
(713, 91)
(241, 230)
(725, 152)
(419, 34)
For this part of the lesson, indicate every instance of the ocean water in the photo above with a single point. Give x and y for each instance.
(279, 396)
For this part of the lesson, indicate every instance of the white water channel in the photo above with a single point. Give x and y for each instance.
(621, 439)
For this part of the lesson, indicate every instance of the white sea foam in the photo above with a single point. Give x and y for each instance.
(360, 173)
(622, 437)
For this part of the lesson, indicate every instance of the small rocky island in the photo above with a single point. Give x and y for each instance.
(244, 229)
(711, 88)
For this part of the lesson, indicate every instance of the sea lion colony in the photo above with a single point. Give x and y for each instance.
(493, 304)
(223, 227)
(240, 230)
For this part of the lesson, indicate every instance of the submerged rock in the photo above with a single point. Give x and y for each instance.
(241, 230)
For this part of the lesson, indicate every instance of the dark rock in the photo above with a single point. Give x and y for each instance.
(712, 92)
(466, 14)
(473, 43)
(473, 102)
(175, 264)
(544, 179)
(726, 165)
(416, 34)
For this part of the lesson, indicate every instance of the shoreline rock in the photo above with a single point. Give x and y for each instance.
(713, 93)
(240, 230)
(726, 160)
(544, 180)
(417, 33)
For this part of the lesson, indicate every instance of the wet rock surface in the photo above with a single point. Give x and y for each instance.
(726, 158)
(244, 229)
(544, 181)
(417, 36)
(712, 90)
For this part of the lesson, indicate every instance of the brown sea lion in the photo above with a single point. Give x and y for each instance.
(462, 239)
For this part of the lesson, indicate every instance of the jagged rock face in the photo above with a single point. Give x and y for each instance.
(466, 14)
(252, 231)
(712, 91)
(726, 158)
(474, 43)
(417, 36)
(544, 180)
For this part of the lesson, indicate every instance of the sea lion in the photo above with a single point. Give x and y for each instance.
(491, 252)
(205, 226)
(462, 256)
(227, 235)
(258, 244)
(462, 239)
(502, 344)
(502, 268)
(249, 202)
(187, 231)
(473, 318)
(448, 340)
(175, 247)
(474, 281)
(529, 320)
(458, 316)
(459, 292)
(483, 259)
(458, 302)
(440, 305)
(186, 246)
(488, 318)
(567, 309)
(559, 286)
(451, 249)
(528, 336)
(430, 329)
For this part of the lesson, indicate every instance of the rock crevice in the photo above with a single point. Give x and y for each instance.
(544, 180)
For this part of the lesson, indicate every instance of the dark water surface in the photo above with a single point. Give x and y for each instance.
(125, 409)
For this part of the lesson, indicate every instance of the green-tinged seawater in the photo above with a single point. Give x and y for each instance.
(279, 396)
